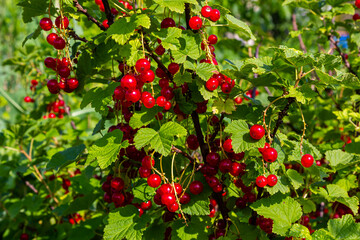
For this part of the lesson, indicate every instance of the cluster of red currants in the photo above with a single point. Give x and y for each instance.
(55, 107)
(266, 224)
(114, 11)
(196, 22)
(114, 188)
(75, 218)
(34, 83)
(221, 80)
(61, 66)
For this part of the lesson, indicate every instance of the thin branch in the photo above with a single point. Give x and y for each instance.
(27, 183)
(109, 15)
(73, 34)
(85, 12)
(192, 160)
(157, 60)
(342, 54)
(295, 27)
(217, 128)
(281, 115)
(200, 137)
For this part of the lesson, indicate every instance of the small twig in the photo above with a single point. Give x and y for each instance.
(342, 54)
(76, 37)
(176, 150)
(281, 115)
(27, 183)
(295, 27)
(109, 15)
(85, 12)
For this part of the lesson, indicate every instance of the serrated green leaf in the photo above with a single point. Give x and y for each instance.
(64, 158)
(194, 230)
(344, 228)
(126, 223)
(241, 140)
(189, 47)
(283, 211)
(240, 26)
(219, 106)
(307, 205)
(295, 178)
(300, 231)
(144, 117)
(199, 204)
(180, 79)
(175, 5)
(33, 8)
(205, 70)
(281, 186)
(338, 159)
(107, 148)
(169, 37)
(159, 141)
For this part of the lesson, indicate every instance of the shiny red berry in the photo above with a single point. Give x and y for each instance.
(238, 100)
(51, 38)
(227, 145)
(128, 82)
(59, 43)
(147, 76)
(146, 205)
(225, 165)
(206, 11)
(168, 22)
(173, 68)
(168, 199)
(192, 142)
(257, 131)
(46, 24)
(212, 84)
(154, 180)
(195, 23)
(270, 155)
(160, 101)
(261, 181)
(185, 198)
(307, 160)
(142, 65)
(214, 15)
(271, 180)
(173, 207)
(212, 39)
(62, 24)
(213, 159)
(117, 184)
(196, 187)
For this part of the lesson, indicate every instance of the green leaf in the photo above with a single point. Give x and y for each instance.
(122, 29)
(240, 26)
(205, 70)
(295, 178)
(64, 158)
(180, 79)
(34, 35)
(338, 159)
(344, 228)
(107, 148)
(241, 140)
(160, 141)
(194, 230)
(175, 5)
(169, 37)
(281, 186)
(189, 47)
(223, 107)
(308, 205)
(99, 98)
(33, 8)
(135, 53)
(284, 212)
(125, 223)
(144, 117)
(199, 204)
(322, 234)
(353, 147)
(300, 231)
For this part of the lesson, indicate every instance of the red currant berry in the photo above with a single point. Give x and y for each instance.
(168, 22)
(50, 62)
(147, 162)
(160, 101)
(62, 24)
(192, 142)
(271, 180)
(206, 11)
(257, 131)
(212, 39)
(213, 159)
(307, 160)
(196, 187)
(72, 83)
(236, 169)
(212, 181)
(168, 199)
(178, 188)
(160, 50)
(185, 198)
(118, 198)
(144, 172)
(146, 205)
(238, 100)
(27, 99)
(105, 24)
(51, 38)
(154, 180)
(34, 82)
(261, 181)
(149, 102)
(160, 73)
(357, 3)
(270, 155)
(356, 16)
(164, 83)
(59, 43)
(214, 15)
(167, 106)
(46, 24)
(218, 188)
(227, 145)
(147, 76)
(168, 93)
(53, 86)
(117, 184)
(173, 207)
(225, 165)
(128, 82)
(212, 84)
(142, 65)
(173, 68)
(195, 23)
(226, 88)
(24, 236)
